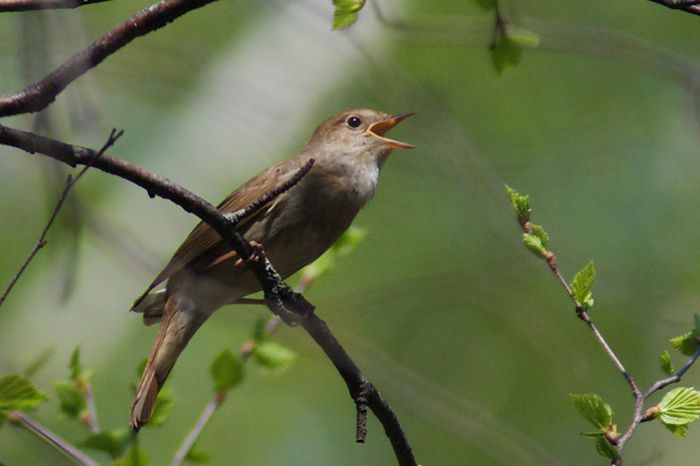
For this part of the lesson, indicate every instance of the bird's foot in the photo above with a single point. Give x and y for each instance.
(257, 255)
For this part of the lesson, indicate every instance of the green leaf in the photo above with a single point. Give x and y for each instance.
(197, 455)
(76, 369)
(593, 409)
(164, 405)
(522, 37)
(113, 442)
(505, 53)
(273, 356)
(487, 5)
(538, 230)
(680, 431)
(346, 12)
(604, 448)
(534, 244)
(343, 246)
(18, 393)
(686, 344)
(680, 406)
(260, 329)
(666, 364)
(226, 370)
(521, 204)
(71, 398)
(582, 284)
(134, 457)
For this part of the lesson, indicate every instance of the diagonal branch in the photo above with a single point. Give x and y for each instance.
(41, 242)
(40, 94)
(29, 5)
(278, 295)
(689, 6)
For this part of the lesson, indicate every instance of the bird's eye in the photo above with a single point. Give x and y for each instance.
(354, 122)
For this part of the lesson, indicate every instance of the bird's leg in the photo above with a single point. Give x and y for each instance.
(257, 255)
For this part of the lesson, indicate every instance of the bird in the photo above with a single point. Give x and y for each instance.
(348, 151)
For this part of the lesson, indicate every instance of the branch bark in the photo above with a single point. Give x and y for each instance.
(40, 94)
(30, 5)
(278, 295)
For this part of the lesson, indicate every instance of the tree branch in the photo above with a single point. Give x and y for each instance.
(41, 242)
(689, 6)
(40, 94)
(29, 5)
(21, 419)
(278, 295)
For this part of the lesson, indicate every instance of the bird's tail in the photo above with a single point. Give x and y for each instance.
(176, 329)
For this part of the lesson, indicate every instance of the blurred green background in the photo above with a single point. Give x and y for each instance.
(467, 335)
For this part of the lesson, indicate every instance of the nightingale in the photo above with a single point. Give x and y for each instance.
(294, 229)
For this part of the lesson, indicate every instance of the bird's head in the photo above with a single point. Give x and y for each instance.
(357, 135)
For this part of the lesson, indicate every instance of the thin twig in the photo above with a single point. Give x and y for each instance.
(29, 5)
(236, 217)
(194, 434)
(40, 94)
(41, 242)
(279, 296)
(21, 419)
(91, 420)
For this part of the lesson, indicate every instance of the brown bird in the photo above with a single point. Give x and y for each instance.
(203, 275)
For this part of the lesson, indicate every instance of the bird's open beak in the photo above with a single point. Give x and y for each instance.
(380, 128)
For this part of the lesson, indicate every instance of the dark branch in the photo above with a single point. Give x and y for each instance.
(278, 295)
(237, 216)
(39, 95)
(41, 242)
(689, 6)
(29, 5)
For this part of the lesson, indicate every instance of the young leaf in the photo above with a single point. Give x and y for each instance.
(226, 370)
(681, 430)
(164, 404)
(197, 455)
(18, 393)
(593, 409)
(76, 369)
(582, 284)
(534, 244)
(346, 12)
(505, 53)
(666, 364)
(686, 344)
(487, 5)
(521, 204)
(538, 230)
(113, 442)
(134, 457)
(605, 449)
(522, 37)
(71, 398)
(680, 406)
(273, 356)
(342, 247)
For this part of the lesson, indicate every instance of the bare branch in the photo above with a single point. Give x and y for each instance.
(41, 242)
(689, 6)
(39, 95)
(278, 295)
(21, 419)
(29, 5)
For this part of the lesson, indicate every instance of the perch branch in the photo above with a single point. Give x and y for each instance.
(278, 295)
(29, 5)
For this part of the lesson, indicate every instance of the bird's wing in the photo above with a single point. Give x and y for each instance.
(203, 240)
